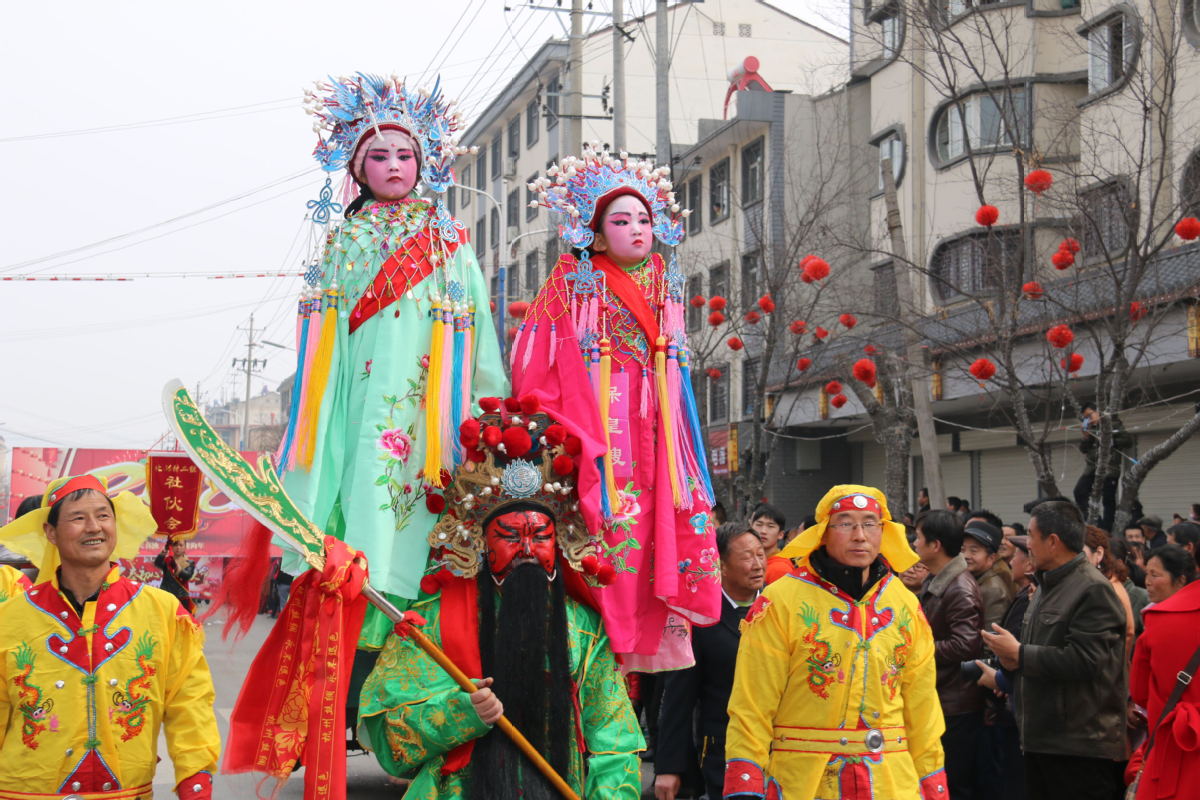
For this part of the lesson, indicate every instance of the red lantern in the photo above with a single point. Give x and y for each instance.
(838, 400)
(871, 350)
(816, 269)
(798, 327)
(1137, 311)
(987, 215)
(698, 301)
(713, 373)
(512, 333)
(803, 364)
(766, 304)
(833, 387)
(848, 320)
(1062, 259)
(734, 343)
(752, 317)
(864, 370)
(716, 303)
(1060, 336)
(820, 332)
(716, 318)
(1038, 181)
(518, 309)
(804, 276)
(982, 369)
(1033, 290)
(1188, 228)
(1072, 363)
(1069, 244)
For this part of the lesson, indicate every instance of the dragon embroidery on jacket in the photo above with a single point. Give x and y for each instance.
(822, 662)
(35, 712)
(129, 706)
(898, 658)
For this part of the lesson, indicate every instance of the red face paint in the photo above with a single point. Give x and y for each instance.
(518, 537)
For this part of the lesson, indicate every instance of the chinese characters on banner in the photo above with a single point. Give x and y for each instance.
(174, 484)
(723, 450)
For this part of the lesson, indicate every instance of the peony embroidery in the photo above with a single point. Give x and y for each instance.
(397, 443)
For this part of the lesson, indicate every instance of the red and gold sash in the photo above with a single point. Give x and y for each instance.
(404, 269)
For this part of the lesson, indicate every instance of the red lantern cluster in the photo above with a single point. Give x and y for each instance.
(820, 332)
(713, 373)
(603, 572)
(1062, 259)
(864, 371)
(766, 304)
(518, 309)
(1069, 244)
(833, 387)
(1033, 291)
(716, 318)
(1038, 181)
(987, 215)
(848, 320)
(803, 364)
(982, 369)
(813, 268)
(1188, 228)
(838, 400)
(1060, 336)
(753, 317)
(734, 343)
(1072, 363)
(698, 301)
(512, 437)
(717, 303)
(798, 327)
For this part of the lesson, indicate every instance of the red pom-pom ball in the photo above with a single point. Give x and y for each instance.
(848, 320)
(563, 465)
(833, 387)
(982, 369)
(555, 434)
(530, 404)
(1188, 228)
(1062, 259)
(803, 363)
(1072, 363)
(698, 301)
(1069, 244)
(987, 215)
(716, 303)
(752, 317)
(468, 432)
(864, 370)
(1137, 311)
(1032, 290)
(492, 435)
(716, 318)
(516, 442)
(512, 405)
(798, 327)
(1038, 181)
(490, 404)
(838, 400)
(713, 373)
(820, 332)
(766, 304)
(1060, 336)
(734, 343)
(435, 502)
(816, 269)
(573, 446)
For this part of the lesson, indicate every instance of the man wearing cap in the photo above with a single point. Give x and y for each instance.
(92, 664)
(834, 693)
(980, 549)
(1152, 532)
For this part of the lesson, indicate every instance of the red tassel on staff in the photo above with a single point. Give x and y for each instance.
(241, 589)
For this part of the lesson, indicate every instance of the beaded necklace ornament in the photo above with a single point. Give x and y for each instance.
(414, 241)
(575, 189)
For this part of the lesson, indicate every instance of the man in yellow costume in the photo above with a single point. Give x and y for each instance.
(93, 664)
(834, 694)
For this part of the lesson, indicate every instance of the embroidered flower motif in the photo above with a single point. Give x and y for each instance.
(397, 443)
(367, 368)
(425, 361)
(708, 557)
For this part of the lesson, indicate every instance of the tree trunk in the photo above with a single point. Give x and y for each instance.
(1131, 482)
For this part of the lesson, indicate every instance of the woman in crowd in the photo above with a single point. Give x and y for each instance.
(1168, 570)
(1097, 551)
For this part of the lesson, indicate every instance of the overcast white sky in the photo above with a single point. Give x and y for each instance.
(84, 364)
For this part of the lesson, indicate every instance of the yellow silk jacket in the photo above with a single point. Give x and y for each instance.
(835, 699)
(82, 700)
(12, 582)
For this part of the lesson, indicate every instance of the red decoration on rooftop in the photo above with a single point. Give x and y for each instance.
(987, 215)
(1060, 336)
(1038, 181)
(982, 369)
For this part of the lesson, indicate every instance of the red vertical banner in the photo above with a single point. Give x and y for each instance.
(174, 484)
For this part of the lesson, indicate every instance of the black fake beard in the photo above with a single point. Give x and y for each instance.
(524, 649)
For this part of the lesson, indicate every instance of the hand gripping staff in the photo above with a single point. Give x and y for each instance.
(260, 493)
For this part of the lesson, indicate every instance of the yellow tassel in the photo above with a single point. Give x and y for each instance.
(318, 377)
(433, 393)
(664, 409)
(605, 398)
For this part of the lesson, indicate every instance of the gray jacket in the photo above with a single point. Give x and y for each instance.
(1073, 677)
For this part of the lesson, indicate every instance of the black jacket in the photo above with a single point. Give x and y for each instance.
(706, 685)
(954, 608)
(1072, 679)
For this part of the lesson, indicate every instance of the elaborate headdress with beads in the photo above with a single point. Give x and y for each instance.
(347, 109)
(575, 186)
(515, 455)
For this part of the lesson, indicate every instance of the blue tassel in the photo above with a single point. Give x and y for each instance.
(456, 386)
(689, 399)
(297, 390)
(605, 502)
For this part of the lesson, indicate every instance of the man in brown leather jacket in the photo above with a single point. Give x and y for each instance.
(1070, 666)
(951, 601)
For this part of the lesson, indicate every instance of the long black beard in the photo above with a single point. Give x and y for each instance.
(525, 650)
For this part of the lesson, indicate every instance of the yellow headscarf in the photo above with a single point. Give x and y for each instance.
(894, 545)
(27, 536)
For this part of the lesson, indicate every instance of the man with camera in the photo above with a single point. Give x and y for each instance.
(1069, 665)
(953, 605)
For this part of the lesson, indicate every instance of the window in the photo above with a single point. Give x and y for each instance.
(1189, 195)
(718, 280)
(886, 302)
(495, 226)
(1110, 53)
(480, 234)
(1106, 220)
(750, 369)
(513, 209)
(745, 31)
(988, 120)
(532, 277)
(693, 199)
(495, 287)
(718, 29)
(552, 90)
(497, 160)
(695, 316)
(751, 278)
(890, 146)
(481, 170)
(889, 35)
(752, 172)
(514, 281)
(451, 206)
(514, 137)
(552, 252)
(718, 192)
(718, 395)
(973, 264)
(532, 123)
(531, 211)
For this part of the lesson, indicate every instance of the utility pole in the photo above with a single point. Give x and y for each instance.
(931, 461)
(249, 364)
(574, 126)
(618, 81)
(662, 97)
